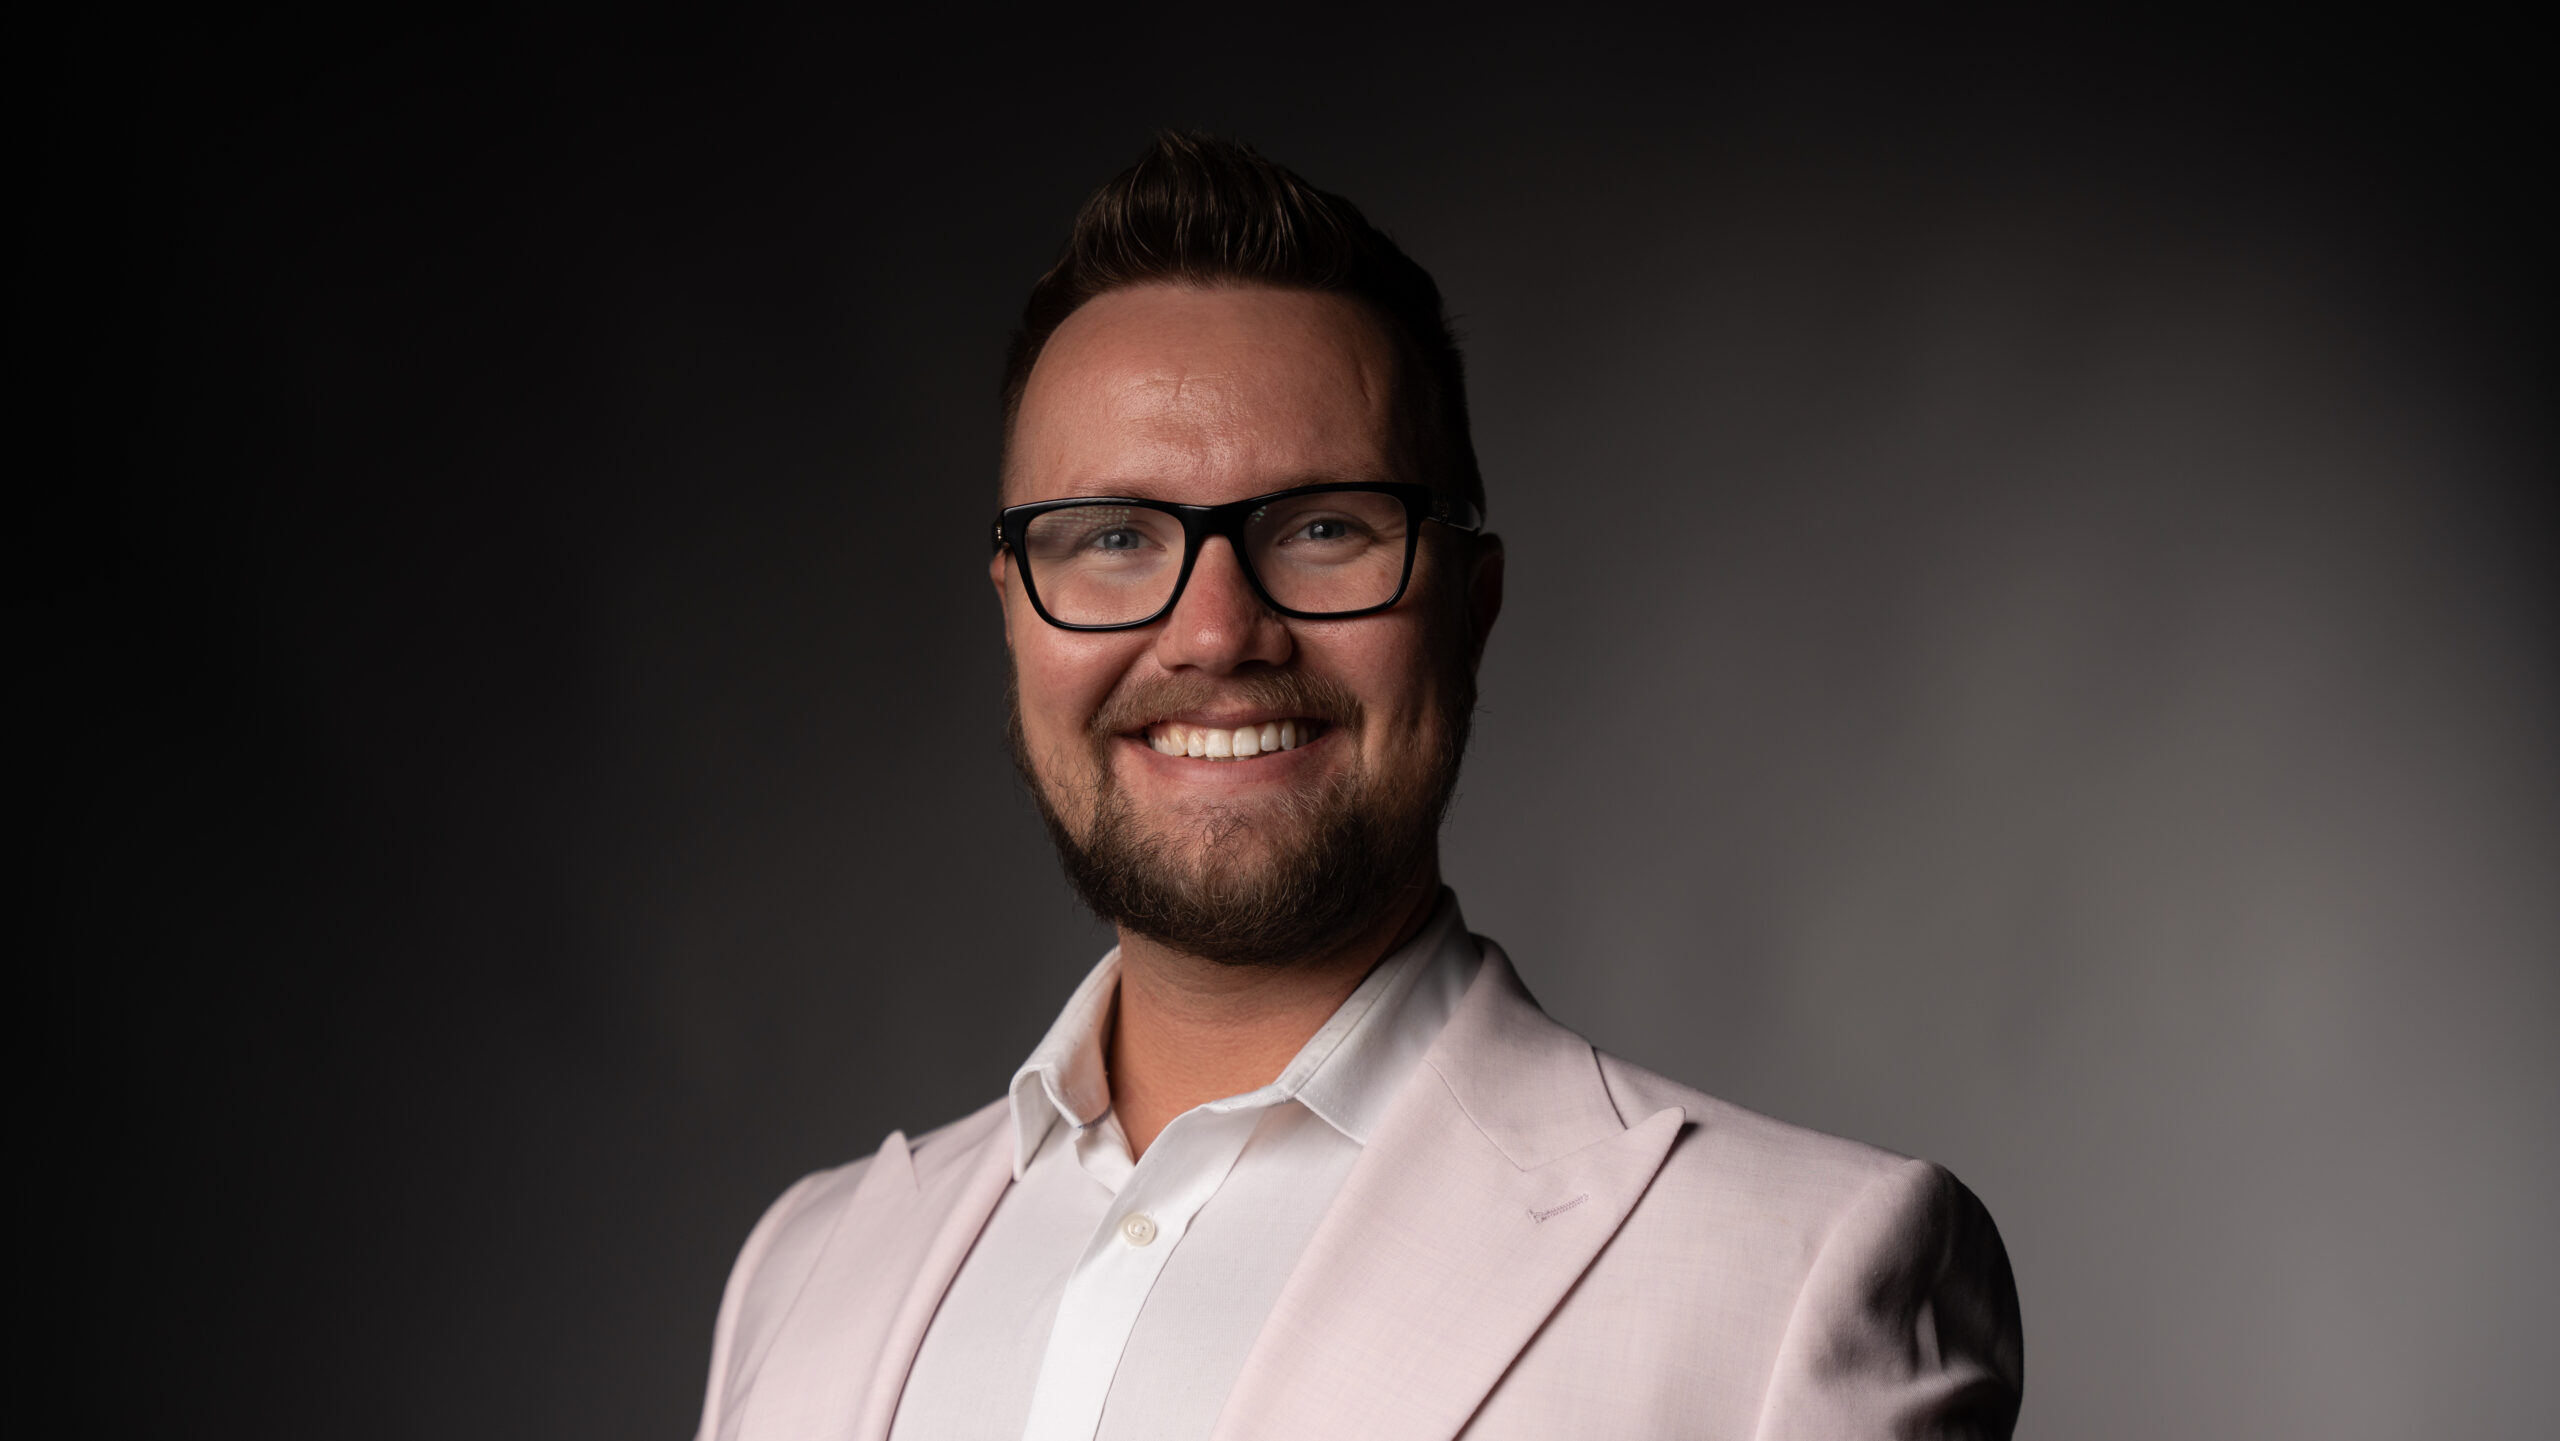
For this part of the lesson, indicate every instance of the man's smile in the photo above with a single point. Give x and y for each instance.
(1222, 742)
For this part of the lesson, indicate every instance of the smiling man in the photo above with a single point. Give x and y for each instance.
(1301, 1157)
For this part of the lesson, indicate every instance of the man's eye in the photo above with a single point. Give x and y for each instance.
(1117, 540)
(1326, 529)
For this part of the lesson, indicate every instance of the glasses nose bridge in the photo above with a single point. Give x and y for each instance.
(1203, 524)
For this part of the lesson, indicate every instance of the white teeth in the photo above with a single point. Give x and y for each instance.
(1219, 743)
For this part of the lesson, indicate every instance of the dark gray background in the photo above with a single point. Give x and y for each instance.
(2030, 642)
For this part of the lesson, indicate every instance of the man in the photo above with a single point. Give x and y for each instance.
(1301, 1158)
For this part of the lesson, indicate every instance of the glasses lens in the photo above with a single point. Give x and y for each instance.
(1103, 564)
(1336, 550)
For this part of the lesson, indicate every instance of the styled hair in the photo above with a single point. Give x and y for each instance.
(1199, 210)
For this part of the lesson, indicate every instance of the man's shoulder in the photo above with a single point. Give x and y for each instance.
(796, 1226)
(1731, 1176)
(1735, 1136)
(1775, 1277)
(1753, 1172)
(927, 1153)
(1779, 1212)
(807, 1225)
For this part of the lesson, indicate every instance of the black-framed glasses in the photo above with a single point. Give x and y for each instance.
(1315, 552)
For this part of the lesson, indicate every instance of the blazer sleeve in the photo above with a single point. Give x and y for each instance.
(1907, 1326)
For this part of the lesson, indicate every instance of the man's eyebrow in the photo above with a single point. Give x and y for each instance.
(1303, 482)
(1159, 490)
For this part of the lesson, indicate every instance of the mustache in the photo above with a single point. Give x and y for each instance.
(1289, 692)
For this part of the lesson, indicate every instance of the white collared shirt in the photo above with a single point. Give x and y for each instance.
(1111, 1299)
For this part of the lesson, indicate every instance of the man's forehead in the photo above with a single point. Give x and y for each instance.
(1164, 388)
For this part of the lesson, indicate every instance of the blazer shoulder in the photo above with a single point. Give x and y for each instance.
(1788, 1178)
(787, 1241)
(784, 1249)
(1744, 1145)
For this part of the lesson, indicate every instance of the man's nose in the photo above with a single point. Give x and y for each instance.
(1220, 625)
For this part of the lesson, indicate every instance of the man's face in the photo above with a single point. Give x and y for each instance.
(1204, 396)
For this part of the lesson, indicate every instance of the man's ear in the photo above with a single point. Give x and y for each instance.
(1484, 592)
(999, 576)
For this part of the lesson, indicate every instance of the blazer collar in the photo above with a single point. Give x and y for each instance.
(1497, 1175)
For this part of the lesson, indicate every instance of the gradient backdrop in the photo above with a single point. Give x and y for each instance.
(2031, 642)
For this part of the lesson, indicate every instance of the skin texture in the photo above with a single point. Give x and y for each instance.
(1206, 395)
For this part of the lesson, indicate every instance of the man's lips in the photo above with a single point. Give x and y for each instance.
(1221, 741)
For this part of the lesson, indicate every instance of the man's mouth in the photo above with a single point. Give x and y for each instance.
(1231, 743)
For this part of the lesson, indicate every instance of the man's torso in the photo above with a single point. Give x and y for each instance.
(1538, 1241)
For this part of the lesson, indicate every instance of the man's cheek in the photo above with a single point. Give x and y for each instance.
(1053, 700)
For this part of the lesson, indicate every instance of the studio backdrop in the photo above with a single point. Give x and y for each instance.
(2029, 642)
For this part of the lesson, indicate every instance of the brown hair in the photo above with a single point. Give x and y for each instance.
(1206, 211)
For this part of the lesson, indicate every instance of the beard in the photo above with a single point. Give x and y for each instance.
(1286, 880)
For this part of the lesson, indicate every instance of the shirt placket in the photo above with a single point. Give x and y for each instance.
(1150, 1213)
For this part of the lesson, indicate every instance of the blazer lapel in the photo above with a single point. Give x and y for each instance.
(839, 1361)
(1494, 1179)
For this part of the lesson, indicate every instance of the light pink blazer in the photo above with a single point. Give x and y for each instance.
(1540, 1241)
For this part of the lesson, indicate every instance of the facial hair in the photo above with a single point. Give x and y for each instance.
(1339, 855)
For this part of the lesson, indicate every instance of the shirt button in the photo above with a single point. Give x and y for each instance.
(1137, 1229)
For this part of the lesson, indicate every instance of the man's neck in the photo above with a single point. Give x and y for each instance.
(1186, 1031)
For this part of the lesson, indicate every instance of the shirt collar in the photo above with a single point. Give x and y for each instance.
(1346, 1073)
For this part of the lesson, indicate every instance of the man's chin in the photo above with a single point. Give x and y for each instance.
(1227, 889)
(1236, 863)
(1216, 841)
(1243, 872)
